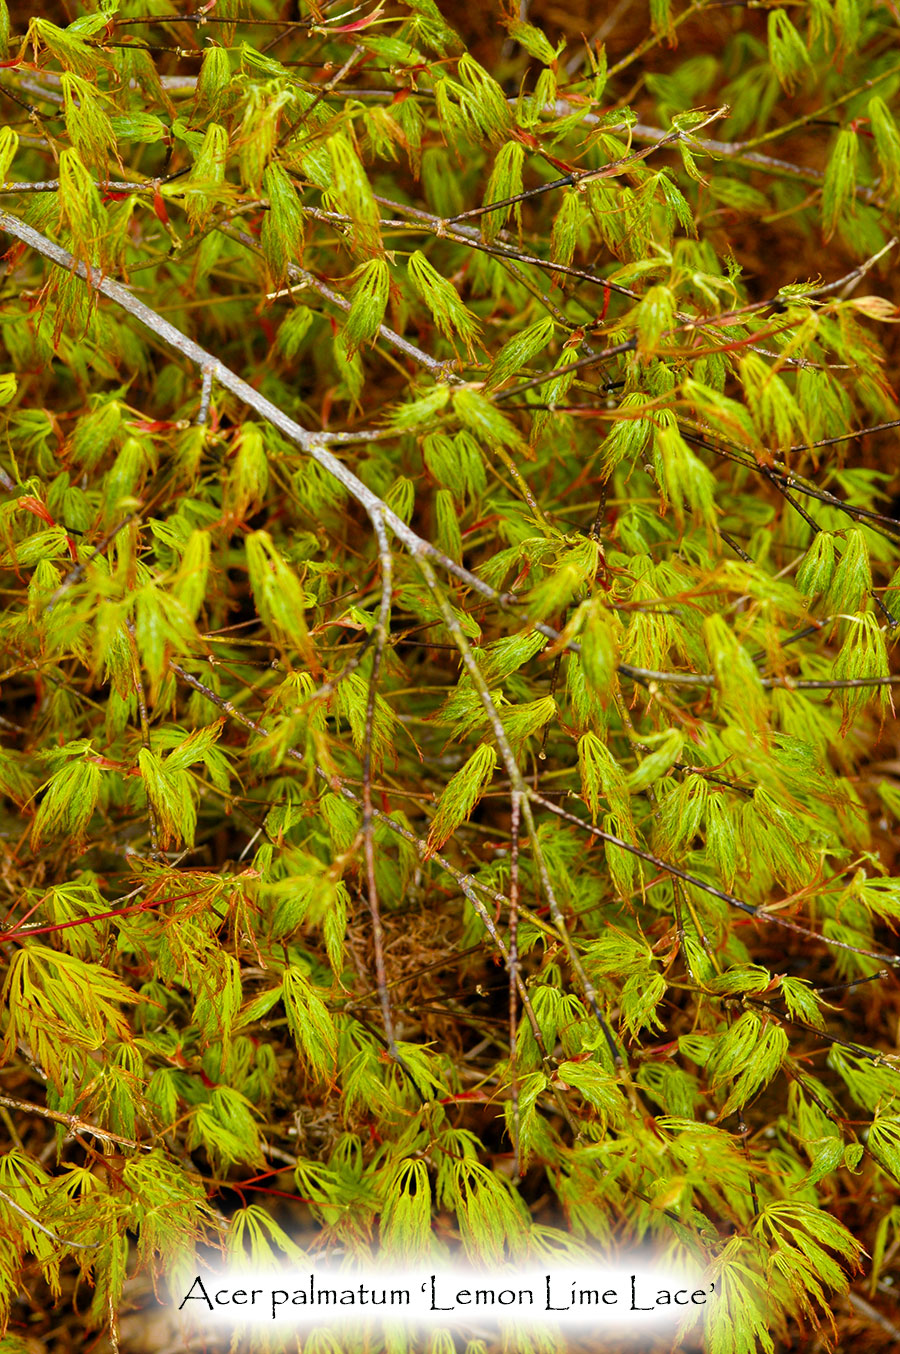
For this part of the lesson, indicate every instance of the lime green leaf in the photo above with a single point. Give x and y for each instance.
(461, 795)
(442, 299)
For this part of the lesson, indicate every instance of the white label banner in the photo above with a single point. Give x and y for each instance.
(639, 1294)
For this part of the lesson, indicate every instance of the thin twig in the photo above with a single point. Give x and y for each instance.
(519, 787)
(872, 1314)
(368, 832)
(758, 913)
(205, 397)
(314, 444)
(145, 732)
(302, 278)
(732, 150)
(72, 1123)
(39, 1226)
(467, 883)
(578, 178)
(515, 818)
(326, 89)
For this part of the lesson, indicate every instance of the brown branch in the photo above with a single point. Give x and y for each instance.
(467, 883)
(145, 732)
(515, 817)
(314, 444)
(579, 177)
(757, 913)
(872, 1314)
(72, 1123)
(520, 790)
(381, 632)
(732, 150)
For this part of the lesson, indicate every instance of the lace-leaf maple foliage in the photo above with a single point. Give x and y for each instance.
(451, 586)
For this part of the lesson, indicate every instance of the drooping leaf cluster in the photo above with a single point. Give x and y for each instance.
(451, 588)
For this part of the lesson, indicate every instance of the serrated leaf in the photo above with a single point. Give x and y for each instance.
(505, 182)
(518, 351)
(283, 224)
(279, 596)
(370, 298)
(839, 189)
(461, 794)
(310, 1023)
(352, 194)
(442, 299)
